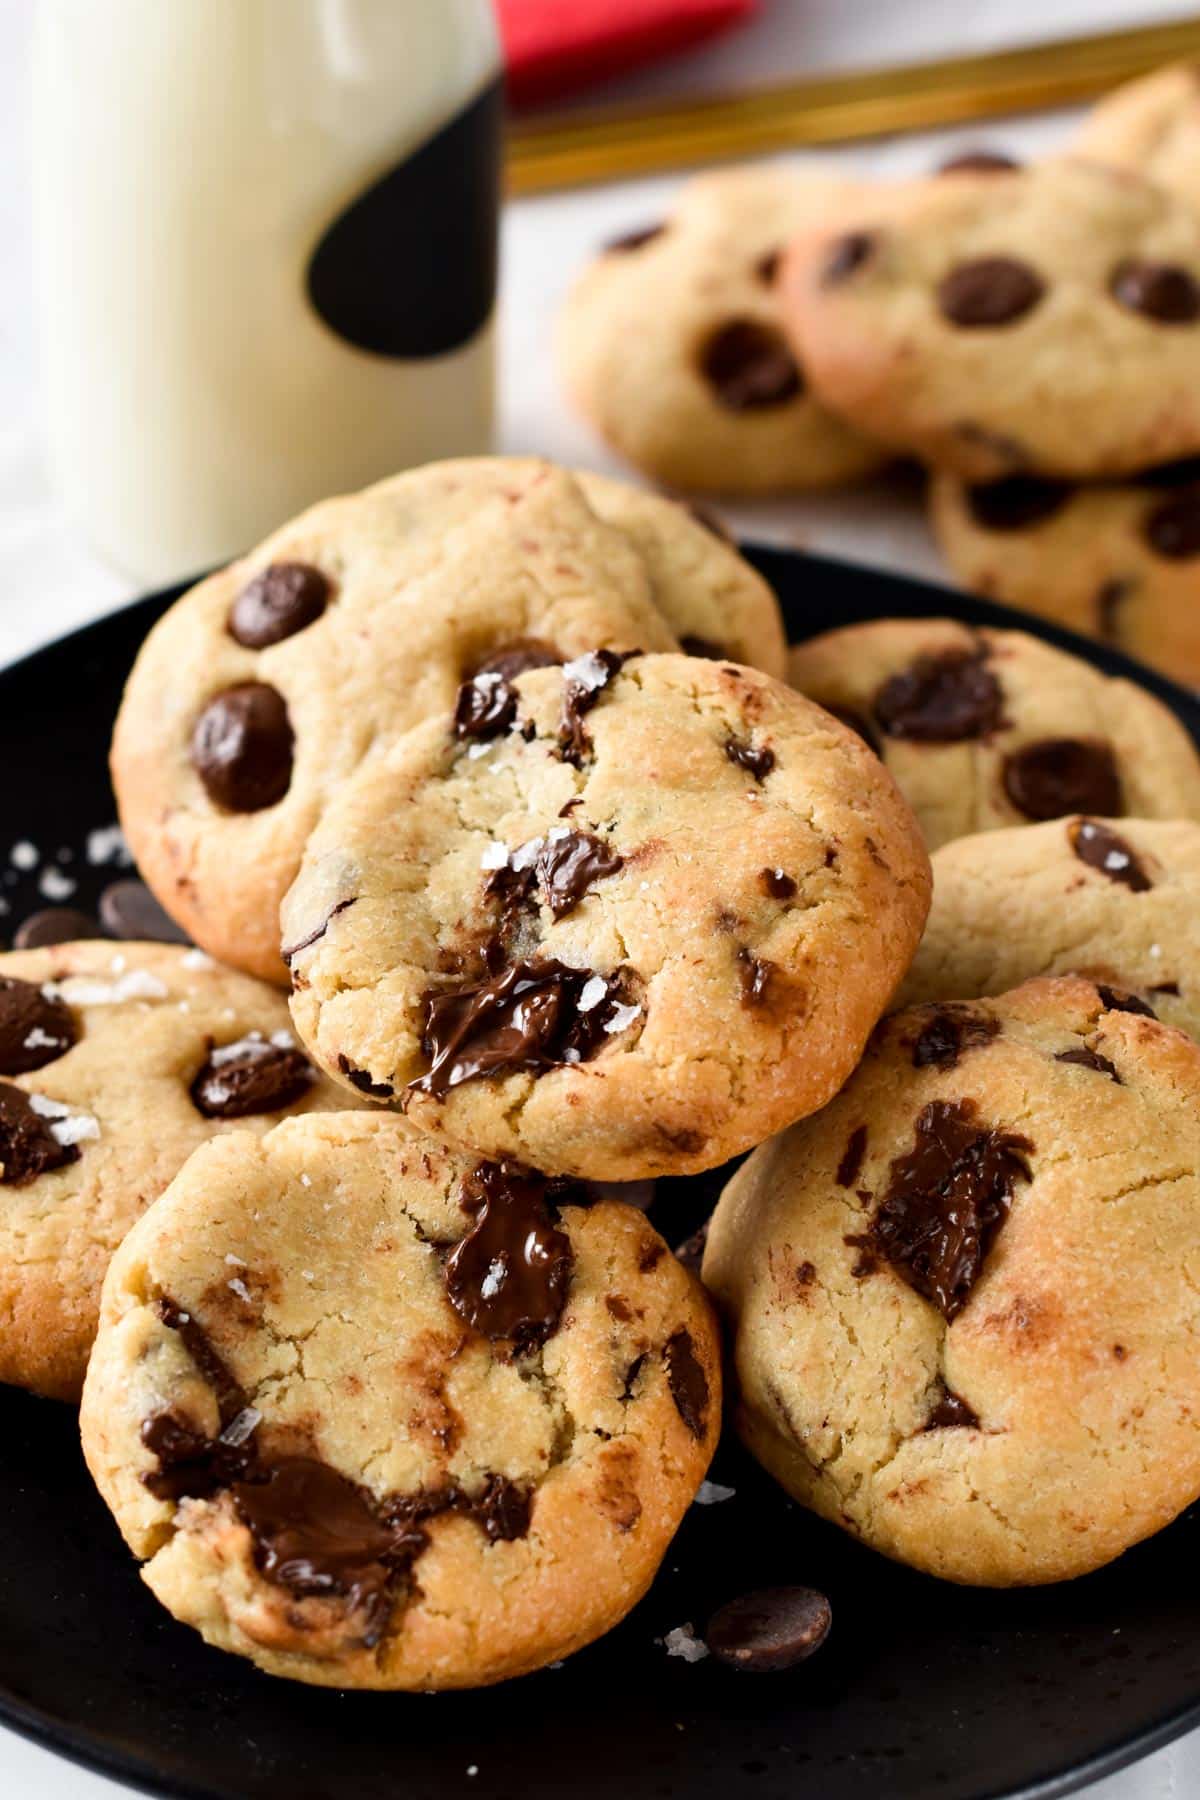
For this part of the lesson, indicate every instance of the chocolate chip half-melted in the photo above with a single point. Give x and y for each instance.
(1017, 502)
(776, 884)
(1089, 1059)
(28, 1146)
(757, 758)
(749, 366)
(35, 1028)
(754, 977)
(1172, 528)
(945, 1202)
(251, 1076)
(850, 1167)
(687, 1381)
(584, 680)
(1164, 292)
(534, 1014)
(944, 1039)
(508, 1278)
(1117, 1000)
(242, 748)
(560, 868)
(1100, 848)
(517, 658)
(990, 291)
(278, 603)
(485, 706)
(946, 699)
(1054, 776)
(951, 1412)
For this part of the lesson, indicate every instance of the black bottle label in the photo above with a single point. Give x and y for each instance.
(409, 269)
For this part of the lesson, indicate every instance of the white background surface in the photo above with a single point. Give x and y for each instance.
(49, 580)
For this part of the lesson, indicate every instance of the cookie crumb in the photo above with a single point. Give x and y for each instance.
(711, 1493)
(682, 1641)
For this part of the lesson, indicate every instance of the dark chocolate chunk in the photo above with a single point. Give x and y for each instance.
(584, 680)
(770, 1630)
(210, 1364)
(1173, 526)
(950, 1412)
(1117, 1000)
(190, 1465)
(485, 706)
(1166, 987)
(531, 1015)
(854, 721)
(749, 366)
(242, 747)
(503, 1509)
(979, 162)
(55, 925)
(1017, 502)
(687, 1381)
(944, 699)
(945, 1202)
(846, 254)
(766, 267)
(129, 910)
(278, 603)
(852, 1157)
(1054, 776)
(634, 240)
(28, 1146)
(757, 758)
(698, 646)
(991, 291)
(562, 867)
(1089, 1059)
(754, 977)
(251, 1076)
(776, 884)
(1163, 292)
(35, 1028)
(508, 1278)
(290, 950)
(943, 1039)
(1100, 848)
(517, 658)
(359, 1078)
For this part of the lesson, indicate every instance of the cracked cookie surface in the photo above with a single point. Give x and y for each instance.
(983, 729)
(671, 346)
(116, 1061)
(613, 920)
(964, 1296)
(1044, 319)
(375, 1415)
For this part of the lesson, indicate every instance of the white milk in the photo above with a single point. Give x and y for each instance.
(190, 157)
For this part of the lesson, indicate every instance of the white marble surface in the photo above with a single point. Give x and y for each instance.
(50, 581)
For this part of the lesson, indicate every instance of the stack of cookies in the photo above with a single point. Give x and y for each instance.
(1031, 334)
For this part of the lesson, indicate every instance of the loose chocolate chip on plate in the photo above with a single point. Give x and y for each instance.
(1089, 1059)
(1172, 528)
(278, 603)
(1016, 502)
(633, 240)
(28, 1146)
(55, 925)
(242, 747)
(35, 1028)
(945, 699)
(687, 1381)
(251, 1076)
(979, 162)
(944, 1039)
(846, 255)
(1100, 848)
(1054, 776)
(129, 910)
(1163, 292)
(508, 1278)
(517, 658)
(757, 758)
(770, 1630)
(749, 366)
(990, 291)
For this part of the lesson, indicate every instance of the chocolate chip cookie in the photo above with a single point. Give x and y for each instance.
(989, 728)
(1043, 320)
(380, 1417)
(671, 343)
(115, 1062)
(1119, 561)
(964, 1296)
(1152, 126)
(264, 687)
(616, 920)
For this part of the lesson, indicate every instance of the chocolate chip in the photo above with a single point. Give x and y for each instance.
(503, 1509)
(1016, 502)
(359, 1078)
(749, 367)
(1100, 848)
(1166, 987)
(210, 1364)
(584, 680)
(1088, 1059)
(278, 603)
(852, 1157)
(531, 1015)
(766, 268)
(854, 721)
(757, 758)
(1116, 1000)
(950, 1412)
(943, 1039)
(944, 699)
(687, 1381)
(946, 1200)
(698, 646)
(55, 925)
(1163, 292)
(317, 933)
(191, 1466)
(1173, 526)
(978, 162)
(991, 291)
(28, 1146)
(35, 1028)
(1054, 776)
(242, 747)
(775, 884)
(634, 240)
(846, 255)
(517, 658)
(485, 707)
(770, 1630)
(252, 1076)
(562, 867)
(508, 1278)
(754, 977)
(129, 910)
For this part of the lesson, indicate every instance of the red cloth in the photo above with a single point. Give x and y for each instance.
(553, 47)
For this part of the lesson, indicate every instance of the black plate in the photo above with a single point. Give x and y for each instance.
(922, 1690)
